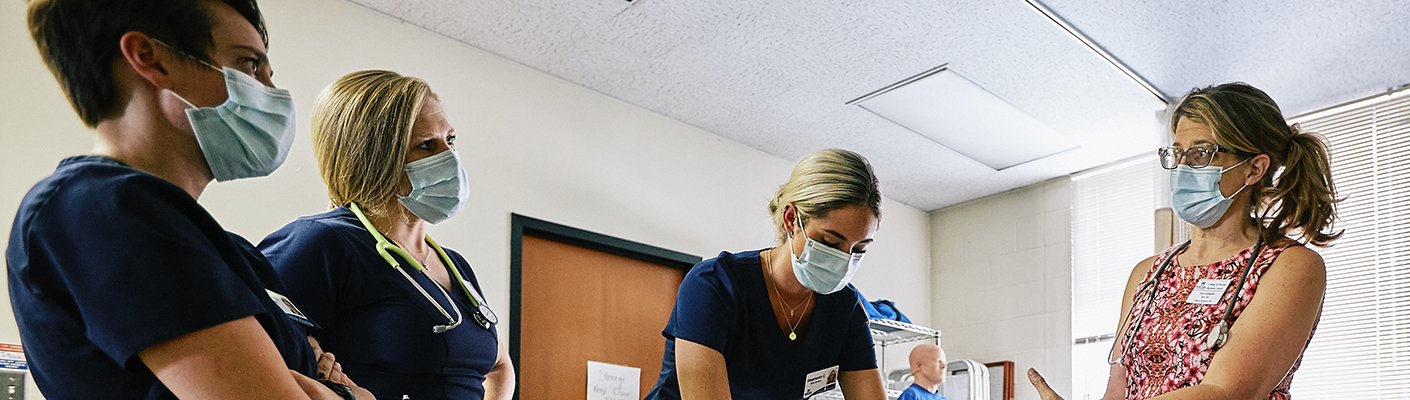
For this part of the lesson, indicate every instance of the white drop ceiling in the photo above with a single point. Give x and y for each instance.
(776, 75)
(951, 110)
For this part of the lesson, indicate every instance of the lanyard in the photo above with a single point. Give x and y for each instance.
(482, 313)
(1219, 334)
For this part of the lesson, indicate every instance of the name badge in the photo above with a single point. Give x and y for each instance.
(290, 309)
(820, 381)
(1208, 291)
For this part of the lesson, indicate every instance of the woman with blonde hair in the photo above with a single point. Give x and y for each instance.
(1228, 314)
(777, 323)
(392, 303)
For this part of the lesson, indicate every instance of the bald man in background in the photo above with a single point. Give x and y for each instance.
(928, 367)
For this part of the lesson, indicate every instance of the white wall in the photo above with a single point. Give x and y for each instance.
(1001, 281)
(534, 145)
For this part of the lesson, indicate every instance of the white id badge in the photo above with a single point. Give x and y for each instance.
(820, 381)
(289, 308)
(1208, 291)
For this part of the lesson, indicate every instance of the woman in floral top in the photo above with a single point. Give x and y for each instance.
(1228, 314)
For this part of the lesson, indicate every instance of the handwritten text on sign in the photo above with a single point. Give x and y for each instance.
(613, 382)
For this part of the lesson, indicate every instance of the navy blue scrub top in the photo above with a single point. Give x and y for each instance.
(374, 321)
(723, 304)
(106, 261)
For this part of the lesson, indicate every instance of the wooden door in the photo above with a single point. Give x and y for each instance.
(578, 304)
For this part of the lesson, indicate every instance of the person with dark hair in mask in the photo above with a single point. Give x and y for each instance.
(778, 323)
(1228, 314)
(123, 286)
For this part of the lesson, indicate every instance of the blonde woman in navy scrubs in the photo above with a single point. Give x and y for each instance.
(404, 315)
(782, 322)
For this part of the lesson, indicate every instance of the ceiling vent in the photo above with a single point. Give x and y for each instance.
(943, 106)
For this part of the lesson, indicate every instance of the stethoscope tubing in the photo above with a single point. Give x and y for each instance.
(454, 322)
(483, 315)
(1219, 331)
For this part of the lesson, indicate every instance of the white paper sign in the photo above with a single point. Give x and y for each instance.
(613, 382)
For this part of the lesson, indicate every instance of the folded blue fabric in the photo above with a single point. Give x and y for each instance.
(880, 309)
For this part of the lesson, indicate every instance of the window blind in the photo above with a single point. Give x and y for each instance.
(1112, 229)
(1361, 349)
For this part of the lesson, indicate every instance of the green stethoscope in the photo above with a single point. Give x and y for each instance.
(482, 313)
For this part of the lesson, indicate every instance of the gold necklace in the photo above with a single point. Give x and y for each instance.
(768, 261)
(775, 286)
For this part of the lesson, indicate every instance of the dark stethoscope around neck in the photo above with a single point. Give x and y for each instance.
(482, 314)
(1219, 334)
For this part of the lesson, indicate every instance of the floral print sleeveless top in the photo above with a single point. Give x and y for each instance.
(1168, 349)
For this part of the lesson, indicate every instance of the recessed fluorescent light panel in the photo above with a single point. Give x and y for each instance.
(949, 109)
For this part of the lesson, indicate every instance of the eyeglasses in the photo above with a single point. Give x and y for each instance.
(187, 55)
(1198, 156)
(258, 66)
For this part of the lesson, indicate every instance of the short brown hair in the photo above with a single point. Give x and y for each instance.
(78, 40)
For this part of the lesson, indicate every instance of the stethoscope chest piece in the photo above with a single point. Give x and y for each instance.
(483, 314)
(488, 314)
(1217, 336)
(480, 319)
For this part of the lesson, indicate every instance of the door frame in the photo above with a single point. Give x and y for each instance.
(520, 226)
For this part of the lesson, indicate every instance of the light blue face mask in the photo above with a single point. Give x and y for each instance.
(248, 135)
(821, 268)
(1195, 194)
(438, 187)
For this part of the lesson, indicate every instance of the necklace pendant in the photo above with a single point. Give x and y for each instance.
(792, 336)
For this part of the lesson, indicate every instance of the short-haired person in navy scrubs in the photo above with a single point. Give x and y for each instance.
(404, 315)
(123, 286)
(783, 323)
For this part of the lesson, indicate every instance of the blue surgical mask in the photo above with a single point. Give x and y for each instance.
(821, 268)
(1195, 194)
(438, 187)
(250, 134)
